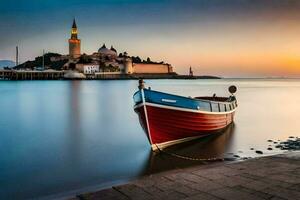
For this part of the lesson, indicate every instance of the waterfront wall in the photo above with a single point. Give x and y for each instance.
(31, 75)
(59, 75)
(143, 68)
(111, 76)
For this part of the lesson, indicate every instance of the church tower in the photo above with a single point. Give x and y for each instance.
(74, 42)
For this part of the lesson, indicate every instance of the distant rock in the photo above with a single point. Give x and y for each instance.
(49, 64)
(293, 145)
(6, 63)
(230, 153)
(230, 159)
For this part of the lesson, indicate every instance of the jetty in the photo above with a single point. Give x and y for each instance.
(31, 75)
(60, 75)
(273, 177)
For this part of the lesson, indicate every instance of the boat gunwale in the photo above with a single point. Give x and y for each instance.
(190, 98)
(183, 109)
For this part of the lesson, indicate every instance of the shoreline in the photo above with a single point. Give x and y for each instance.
(60, 75)
(249, 179)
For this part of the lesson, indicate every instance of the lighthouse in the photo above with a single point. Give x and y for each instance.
(74, 42)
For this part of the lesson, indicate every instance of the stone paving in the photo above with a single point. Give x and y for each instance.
(274, 177)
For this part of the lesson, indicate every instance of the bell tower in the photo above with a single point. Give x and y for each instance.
(74, 42)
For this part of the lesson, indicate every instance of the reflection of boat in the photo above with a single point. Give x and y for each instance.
(212, 146)
(170, 119)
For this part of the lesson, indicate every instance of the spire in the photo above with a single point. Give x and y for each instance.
(74, 31)
(74, 23)
(103, 46)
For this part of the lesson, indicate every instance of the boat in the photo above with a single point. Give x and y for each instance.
(169, 119)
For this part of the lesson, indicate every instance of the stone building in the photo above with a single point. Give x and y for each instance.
(107, 60)
(107, 53)
(87, 68)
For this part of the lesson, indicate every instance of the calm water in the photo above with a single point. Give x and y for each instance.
(61, 137)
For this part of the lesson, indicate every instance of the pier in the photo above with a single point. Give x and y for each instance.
(59, 75)
(31, 75)
(273, 177)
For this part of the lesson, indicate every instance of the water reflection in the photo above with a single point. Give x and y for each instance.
(214, 146)
(73, 129)
(61, 136)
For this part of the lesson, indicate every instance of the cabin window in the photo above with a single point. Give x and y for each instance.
(205, 106)
(225, 107)
(222, 107)
(230, 107)
(215, 107)
(233, 106)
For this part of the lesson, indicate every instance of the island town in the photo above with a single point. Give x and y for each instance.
(106, 63)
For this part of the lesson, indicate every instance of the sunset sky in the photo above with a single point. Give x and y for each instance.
(231, 38)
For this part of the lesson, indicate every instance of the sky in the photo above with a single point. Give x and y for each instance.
(229, 38)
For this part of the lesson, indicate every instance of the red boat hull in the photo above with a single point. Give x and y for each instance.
(166, 126)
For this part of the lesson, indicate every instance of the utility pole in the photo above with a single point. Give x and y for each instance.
(17, 56)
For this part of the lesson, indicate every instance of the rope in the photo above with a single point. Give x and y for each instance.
(189, 158)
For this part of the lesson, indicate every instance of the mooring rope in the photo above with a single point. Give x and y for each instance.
(188, 157)
(194, 159)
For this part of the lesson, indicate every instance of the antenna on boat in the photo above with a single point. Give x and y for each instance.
(232, 89)
(141, 84)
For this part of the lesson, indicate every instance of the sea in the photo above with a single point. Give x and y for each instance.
(60, 138)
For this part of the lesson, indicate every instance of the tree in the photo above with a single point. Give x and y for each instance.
(72, 66)
(138, 59)
(148, 60)
(84, 59)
